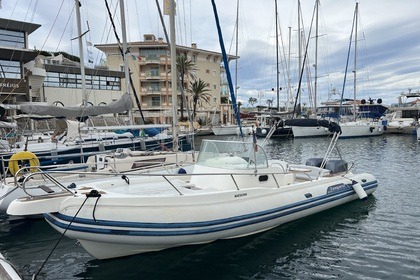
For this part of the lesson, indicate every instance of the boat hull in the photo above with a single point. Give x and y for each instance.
(361, 129)
(224, 130)
(303, 131)
(172, 221)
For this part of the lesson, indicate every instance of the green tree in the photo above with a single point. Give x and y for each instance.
(184, 67)
(199, 93)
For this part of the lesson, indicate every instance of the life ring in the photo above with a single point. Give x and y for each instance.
(19, 156)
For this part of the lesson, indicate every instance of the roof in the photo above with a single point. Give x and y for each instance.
(157, 44)
(13, 54)
(9, 24)
(60, 68)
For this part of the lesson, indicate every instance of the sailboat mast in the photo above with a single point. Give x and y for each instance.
(124, 46)
(236, 60)
(289, 93)
(277, 59)
(316, 58)
(174, 78)
(299, 49)
(355, 60)
(236, 48)
(81, 56)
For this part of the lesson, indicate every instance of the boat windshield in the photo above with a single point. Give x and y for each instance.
(232, 155)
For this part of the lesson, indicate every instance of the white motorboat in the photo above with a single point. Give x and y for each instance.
(404, 115)
(234, 190)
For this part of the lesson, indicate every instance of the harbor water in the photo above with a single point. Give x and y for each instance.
(374, 239)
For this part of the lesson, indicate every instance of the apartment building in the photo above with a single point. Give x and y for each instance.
(149, 62)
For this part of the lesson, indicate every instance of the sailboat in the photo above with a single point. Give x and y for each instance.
(363, 123)
(317, 126)
(272, 125)
(364, 120)
(233, 190)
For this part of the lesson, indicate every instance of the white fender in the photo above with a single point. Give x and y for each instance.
(359, 191)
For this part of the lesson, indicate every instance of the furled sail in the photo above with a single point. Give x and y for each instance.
(119, 106)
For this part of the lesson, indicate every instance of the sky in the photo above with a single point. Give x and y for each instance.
(388, 41)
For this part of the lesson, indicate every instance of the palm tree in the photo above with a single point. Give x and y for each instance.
(252, 101)
(184, 66)
(199, 93)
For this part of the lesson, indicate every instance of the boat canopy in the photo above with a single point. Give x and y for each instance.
(332, 126)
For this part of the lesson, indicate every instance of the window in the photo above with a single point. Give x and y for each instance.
(10, 69)
(193, 58)
(155, 101)
(154, 87)
(154, 72)
(14, 39)
(207, 71)
(214, 86)
(152, 55)
(214, 73)
(66, 80)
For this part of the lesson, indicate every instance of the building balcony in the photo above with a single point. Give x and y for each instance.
(151, 60)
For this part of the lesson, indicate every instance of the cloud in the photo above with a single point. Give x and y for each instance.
(388, 44)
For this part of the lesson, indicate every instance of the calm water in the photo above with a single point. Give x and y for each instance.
(376, 239)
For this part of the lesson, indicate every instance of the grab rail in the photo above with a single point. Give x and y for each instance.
(81, 176)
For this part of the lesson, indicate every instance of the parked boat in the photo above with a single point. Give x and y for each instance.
(224, 129)
(234, 190)
(366, 123)
(403, 117)
(76, 146)
(31, 180)
(272, 126)
(365, 120)
(230, 129)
